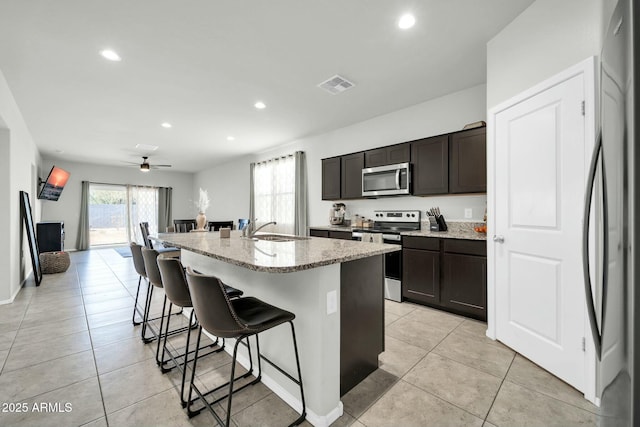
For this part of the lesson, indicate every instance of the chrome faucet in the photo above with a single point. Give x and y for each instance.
(251, 231)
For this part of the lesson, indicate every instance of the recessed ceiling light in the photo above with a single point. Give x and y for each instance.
(59, 151)
(260, 105)
(146, 147)
(231, 138)
(166, 125)
(110, 55)
(406, 21)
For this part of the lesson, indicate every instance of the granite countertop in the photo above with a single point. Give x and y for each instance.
(274, 257)
(455, 230)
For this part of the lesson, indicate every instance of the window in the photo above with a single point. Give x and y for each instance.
(274, 193)
(279, 193)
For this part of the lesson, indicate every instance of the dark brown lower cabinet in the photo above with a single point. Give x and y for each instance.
(421, 275)
(464, 284)
(361, 319)
(450, 274)
(332, 234)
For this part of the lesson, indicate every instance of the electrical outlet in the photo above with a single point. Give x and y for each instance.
(468, 213)
(332, 302)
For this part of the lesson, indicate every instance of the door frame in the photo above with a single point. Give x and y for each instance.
(586, 68)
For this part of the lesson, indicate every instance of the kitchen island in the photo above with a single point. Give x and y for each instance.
(335, 289)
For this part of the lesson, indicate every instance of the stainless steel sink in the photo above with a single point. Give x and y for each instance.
(278, 237)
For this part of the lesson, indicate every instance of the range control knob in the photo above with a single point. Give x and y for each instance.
(413, 215)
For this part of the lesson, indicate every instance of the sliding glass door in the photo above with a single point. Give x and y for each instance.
(108, 215)
(115, 212)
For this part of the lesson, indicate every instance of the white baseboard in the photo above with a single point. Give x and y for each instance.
(291, 400)
(15, 294)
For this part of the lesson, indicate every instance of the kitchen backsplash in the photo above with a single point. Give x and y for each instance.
(452, 207)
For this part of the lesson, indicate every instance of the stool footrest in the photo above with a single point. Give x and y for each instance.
(282, 371)
(203, 396)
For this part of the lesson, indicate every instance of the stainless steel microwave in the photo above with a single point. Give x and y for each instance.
(386, 180)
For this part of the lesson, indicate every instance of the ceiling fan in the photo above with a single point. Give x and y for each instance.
(145, 166)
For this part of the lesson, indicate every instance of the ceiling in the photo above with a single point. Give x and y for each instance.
(201, 65)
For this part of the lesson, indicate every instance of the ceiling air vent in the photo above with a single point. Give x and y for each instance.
(336, 84)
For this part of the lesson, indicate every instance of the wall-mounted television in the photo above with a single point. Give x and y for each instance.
(54, 184)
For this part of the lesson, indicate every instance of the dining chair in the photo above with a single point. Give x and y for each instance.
(184, 225)
(216, 225)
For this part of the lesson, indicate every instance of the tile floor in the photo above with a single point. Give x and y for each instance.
(69, 344)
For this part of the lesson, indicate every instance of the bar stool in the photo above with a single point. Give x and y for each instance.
(153, 276)
(177, 291)
(240, 319)
(138, 264)
(144, 230)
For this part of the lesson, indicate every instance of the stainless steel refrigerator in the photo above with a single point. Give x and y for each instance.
(610, 252)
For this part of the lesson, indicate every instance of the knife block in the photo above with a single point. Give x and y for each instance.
(442, 224)
(437, 223)
(433, 224)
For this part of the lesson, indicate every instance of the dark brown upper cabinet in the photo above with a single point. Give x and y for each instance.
(430, 158)
(352, 166)
(399, 153)
(468, 161)
(331, 178)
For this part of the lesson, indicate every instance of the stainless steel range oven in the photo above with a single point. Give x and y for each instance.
(390, 224)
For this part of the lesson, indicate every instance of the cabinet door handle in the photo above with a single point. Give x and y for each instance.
(498, 239)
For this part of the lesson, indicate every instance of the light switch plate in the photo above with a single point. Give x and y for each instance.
(468, 213)
(332, 302)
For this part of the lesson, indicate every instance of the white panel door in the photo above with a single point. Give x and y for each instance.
(539, 189)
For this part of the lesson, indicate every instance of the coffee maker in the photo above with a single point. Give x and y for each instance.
(336, 214)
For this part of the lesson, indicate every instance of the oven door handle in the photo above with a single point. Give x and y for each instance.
(392, 237)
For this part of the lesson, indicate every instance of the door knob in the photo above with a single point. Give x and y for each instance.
(498, 239)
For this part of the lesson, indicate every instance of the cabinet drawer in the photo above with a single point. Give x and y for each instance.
(318, 233)
(469, 247)
(427, 243)
(344, 235)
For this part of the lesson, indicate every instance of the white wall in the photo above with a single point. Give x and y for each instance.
(228, 184)
(67, 208)
(546, 38)
(20, 159)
